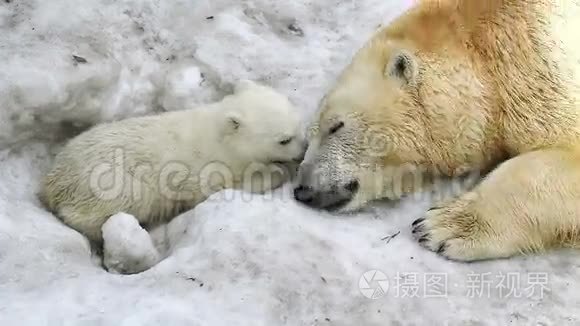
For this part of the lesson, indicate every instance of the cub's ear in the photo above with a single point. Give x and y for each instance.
(402, 66)
(232, 123)
(243, 85)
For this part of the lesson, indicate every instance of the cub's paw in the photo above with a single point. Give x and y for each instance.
(456, 232)
(127, 248)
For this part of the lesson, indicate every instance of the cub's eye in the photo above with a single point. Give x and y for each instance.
(336, 128)
(286, 141)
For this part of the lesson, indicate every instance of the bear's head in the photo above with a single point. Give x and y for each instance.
(413, 103)
(261, 125)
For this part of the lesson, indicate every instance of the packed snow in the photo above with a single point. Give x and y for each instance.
(236, 259)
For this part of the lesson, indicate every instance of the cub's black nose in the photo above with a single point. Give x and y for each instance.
(300, 157)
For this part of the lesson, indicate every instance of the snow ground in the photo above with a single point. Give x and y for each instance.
(231, 261)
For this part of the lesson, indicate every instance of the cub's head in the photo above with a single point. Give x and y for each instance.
(261, 125)
(397, 113)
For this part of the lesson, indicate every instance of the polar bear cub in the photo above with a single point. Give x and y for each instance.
(155, 167)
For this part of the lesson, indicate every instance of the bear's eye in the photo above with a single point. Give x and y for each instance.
(286, 141)
(336, 128)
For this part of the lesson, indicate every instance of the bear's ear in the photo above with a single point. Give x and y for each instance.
(403, 66)
(243, 85)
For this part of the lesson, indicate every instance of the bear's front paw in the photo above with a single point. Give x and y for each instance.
(456, 232)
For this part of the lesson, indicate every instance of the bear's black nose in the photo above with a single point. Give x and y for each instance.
(331, 199)
(304, 194)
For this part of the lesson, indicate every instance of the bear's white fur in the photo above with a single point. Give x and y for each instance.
(127, 247)
(155, 167)
(453, 88)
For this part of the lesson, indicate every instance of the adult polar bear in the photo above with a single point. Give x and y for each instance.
(455, 86)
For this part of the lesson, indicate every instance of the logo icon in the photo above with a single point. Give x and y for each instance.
(373, 284)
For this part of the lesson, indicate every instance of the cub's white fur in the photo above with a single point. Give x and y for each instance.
(155, 167)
